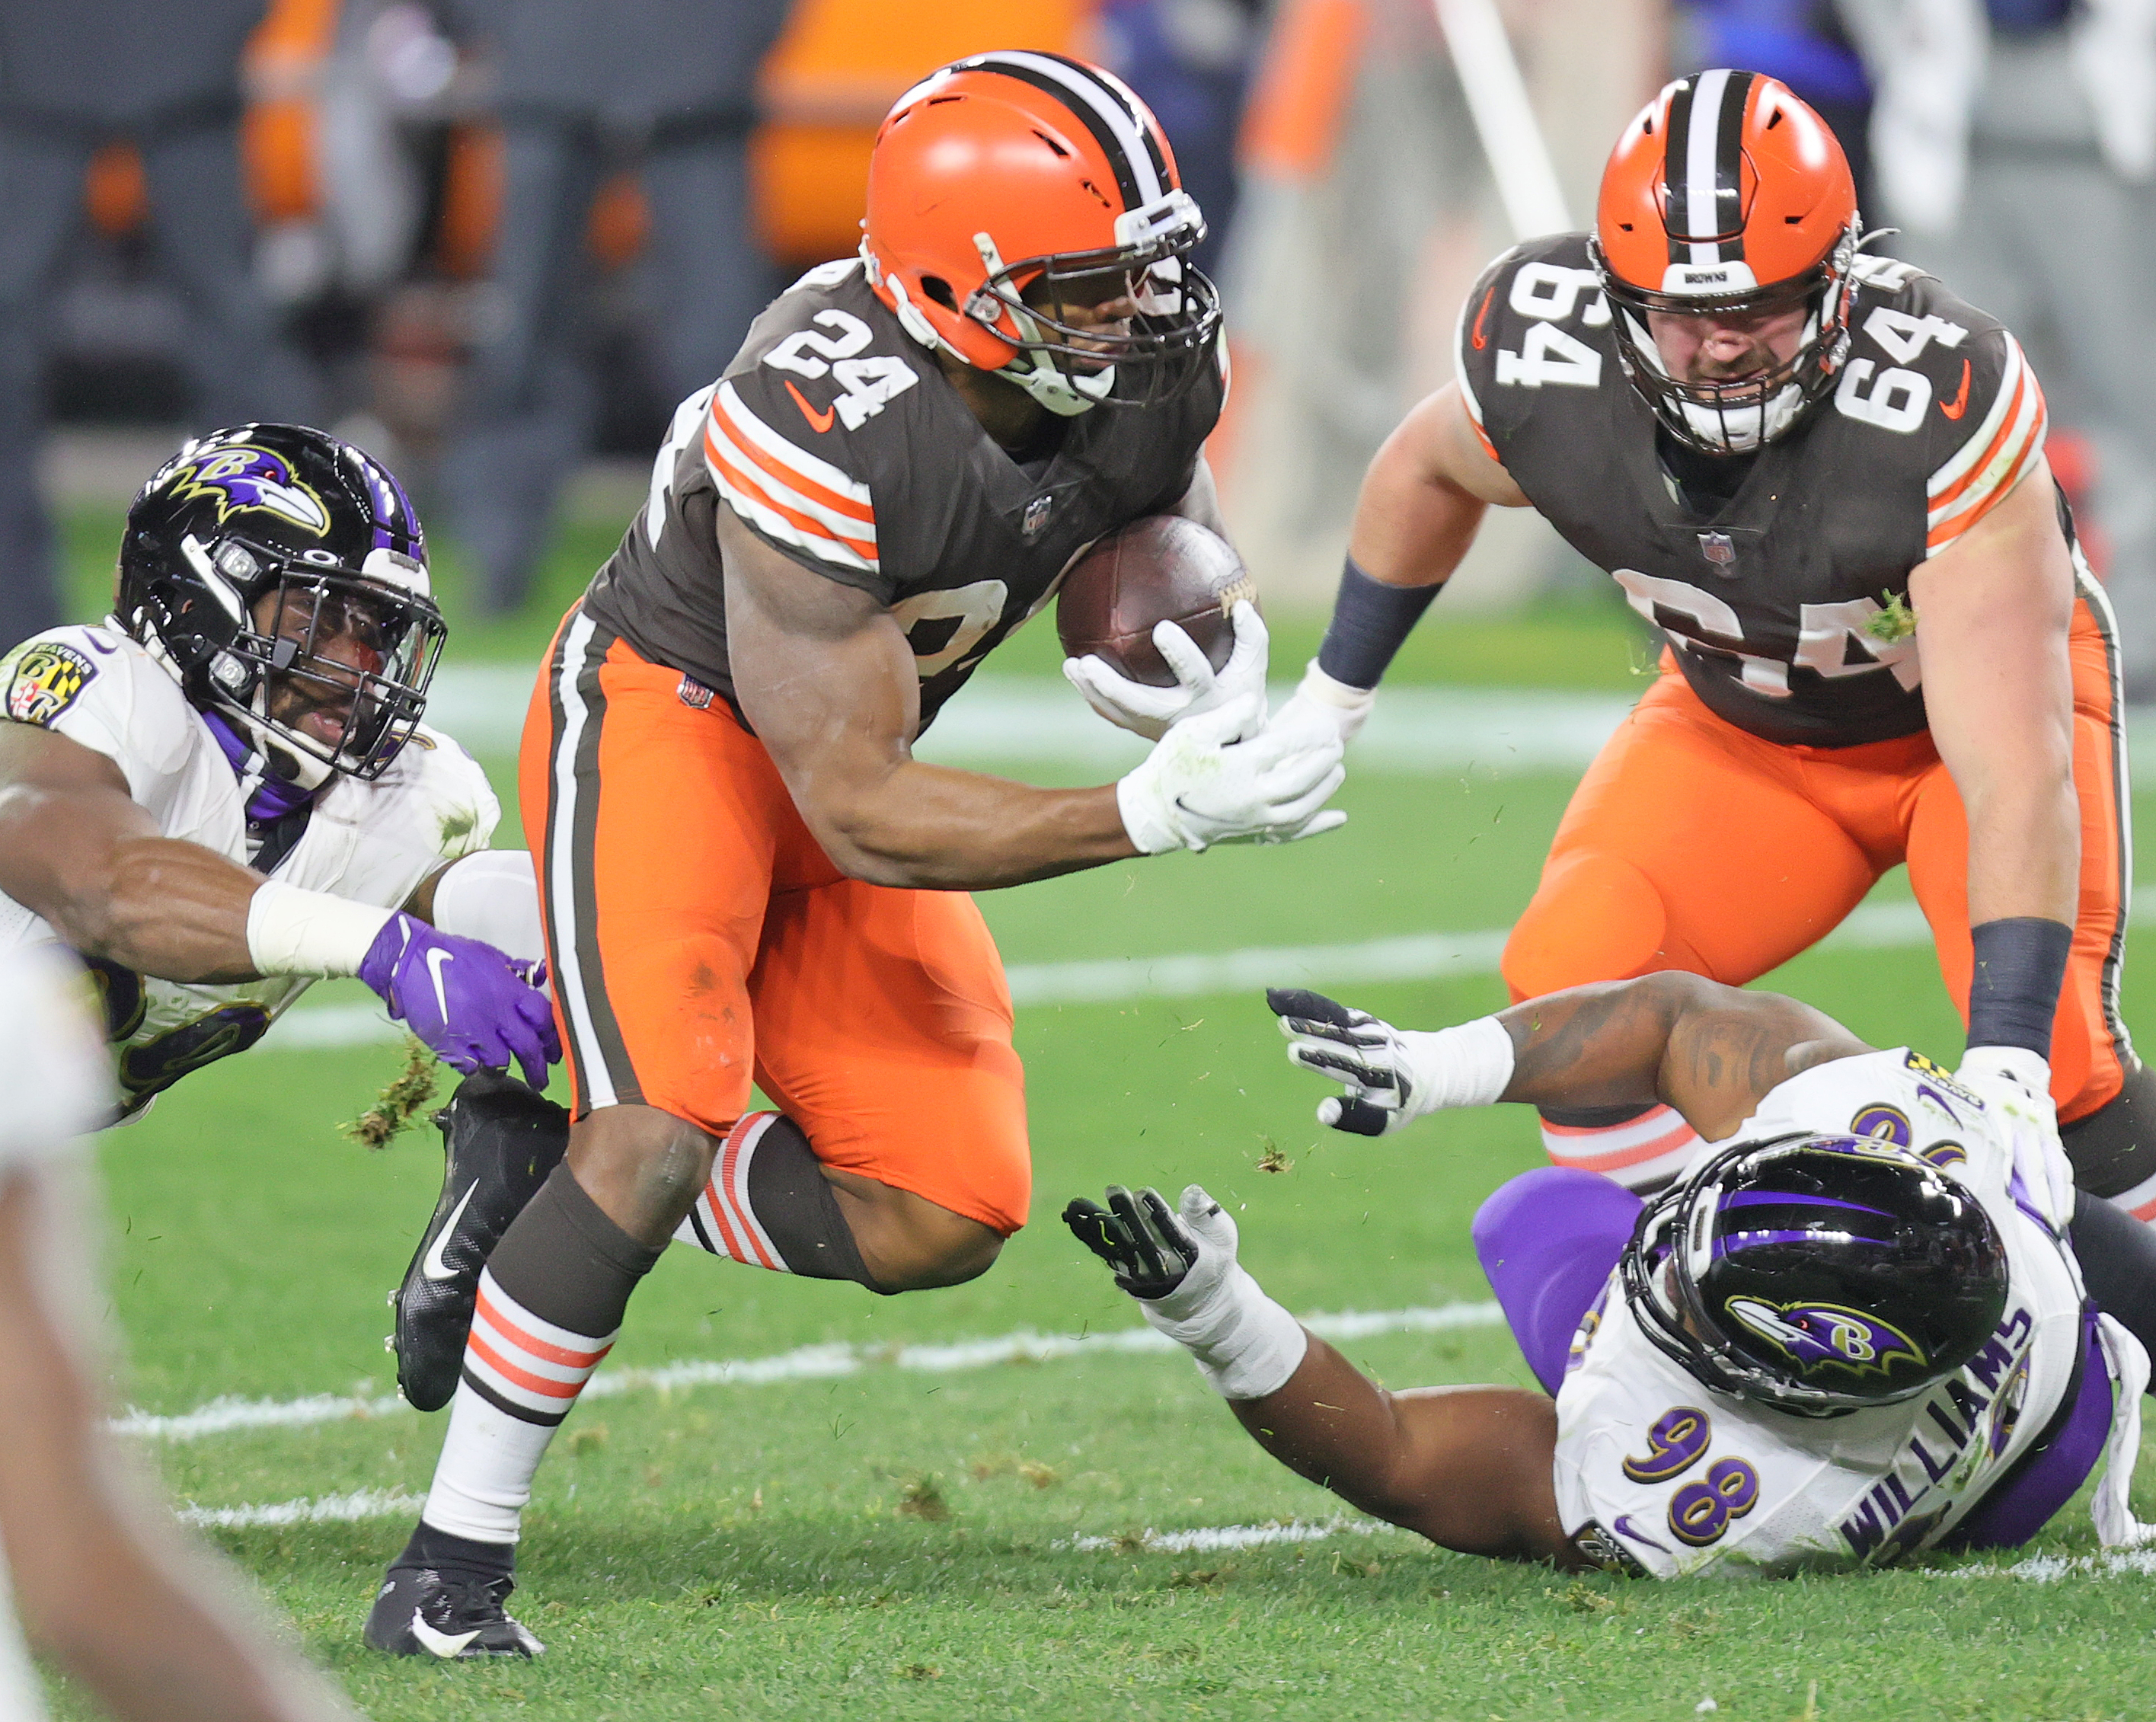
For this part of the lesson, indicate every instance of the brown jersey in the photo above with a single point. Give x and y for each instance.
(836, 440)
(1787, 604)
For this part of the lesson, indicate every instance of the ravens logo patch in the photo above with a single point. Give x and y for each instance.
(45, 679)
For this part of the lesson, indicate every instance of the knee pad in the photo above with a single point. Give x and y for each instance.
(1596, 916)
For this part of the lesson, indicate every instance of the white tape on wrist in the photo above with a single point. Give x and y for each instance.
(291, 931)
(1147, 827)
(1470, 1064)
(1243, 1343)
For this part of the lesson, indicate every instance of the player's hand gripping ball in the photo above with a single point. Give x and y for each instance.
(1160, 621)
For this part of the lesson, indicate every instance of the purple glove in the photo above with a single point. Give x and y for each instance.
(465, 999)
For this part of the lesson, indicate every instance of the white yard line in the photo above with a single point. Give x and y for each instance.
(2050, 1568)
(329, 1509)
(1208, 1539)
(1414, 956)
(807, 1363)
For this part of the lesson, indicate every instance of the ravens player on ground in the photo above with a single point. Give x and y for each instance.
(224, 791)
(1822, 474)
(1858, 1329)
(745, 874)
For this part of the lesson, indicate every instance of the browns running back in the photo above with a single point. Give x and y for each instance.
(1162, 568)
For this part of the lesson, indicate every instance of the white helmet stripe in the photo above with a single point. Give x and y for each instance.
(1093, 90)
(1702, 221)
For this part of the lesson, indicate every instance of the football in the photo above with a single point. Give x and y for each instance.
(1163, 569)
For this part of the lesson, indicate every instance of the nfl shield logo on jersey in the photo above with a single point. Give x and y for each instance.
(1718, 548)
(1036, 516)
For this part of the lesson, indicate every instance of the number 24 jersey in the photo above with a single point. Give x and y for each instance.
(1656, 1474)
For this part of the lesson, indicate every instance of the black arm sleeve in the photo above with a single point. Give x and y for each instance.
(1370, 620)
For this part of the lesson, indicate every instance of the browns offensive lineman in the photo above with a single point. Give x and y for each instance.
(745, 875)
(1859, 1328)
(1822, 474)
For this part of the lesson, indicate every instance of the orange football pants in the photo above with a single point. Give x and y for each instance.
(1691, 845)
(699, 937)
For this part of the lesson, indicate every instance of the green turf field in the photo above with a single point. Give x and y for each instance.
(892, 1540)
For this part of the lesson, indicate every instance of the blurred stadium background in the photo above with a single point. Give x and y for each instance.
(456, 230)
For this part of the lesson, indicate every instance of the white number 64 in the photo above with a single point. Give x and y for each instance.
(1896, 400)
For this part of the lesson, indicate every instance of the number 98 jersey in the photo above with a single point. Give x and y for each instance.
(1656, 1474)
(1786, 608)
(836, 438)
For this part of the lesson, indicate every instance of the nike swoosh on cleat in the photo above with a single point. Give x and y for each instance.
(435, 958)
(818, 422)
(435, 1267)
(445, 1645)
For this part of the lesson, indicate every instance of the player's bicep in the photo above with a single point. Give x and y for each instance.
(1440, 442)
(822, 672)
(63, 809)
(1728, 1049)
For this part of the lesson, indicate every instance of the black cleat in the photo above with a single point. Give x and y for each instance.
(501, 1141)
(419, 1611)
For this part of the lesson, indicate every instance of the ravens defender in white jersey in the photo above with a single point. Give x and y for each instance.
(224, 791)
(1821, 475)
(746, 876)
(1859, 1328)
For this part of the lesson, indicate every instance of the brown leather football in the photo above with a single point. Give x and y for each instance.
(1162, 568)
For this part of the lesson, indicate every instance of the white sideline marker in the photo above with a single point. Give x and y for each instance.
(807, 1363)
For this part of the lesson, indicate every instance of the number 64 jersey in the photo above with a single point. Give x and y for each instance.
(373, 842)
(1657, 1474)
(1786, 608)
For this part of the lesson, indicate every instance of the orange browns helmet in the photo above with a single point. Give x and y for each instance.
(1727, 194)
(1006, 170)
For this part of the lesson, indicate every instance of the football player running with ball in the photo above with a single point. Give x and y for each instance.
(746, 876)
(1859, 1328)
(224, 792)
(1822, 476)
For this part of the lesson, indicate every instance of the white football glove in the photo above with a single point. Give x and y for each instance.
(1225, 776)
(1393, 1076)
(1320, 698)
(1199, 686)
(2016, 1083)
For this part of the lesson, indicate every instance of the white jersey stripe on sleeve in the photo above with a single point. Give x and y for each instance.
(1970, 452)
(780, 524)
(849, 494)
(2000, 464)
(732, 465)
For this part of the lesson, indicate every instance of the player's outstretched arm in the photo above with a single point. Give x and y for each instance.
(1711, 1052)
(78, 850)
(828, 683)
(1469, 1468)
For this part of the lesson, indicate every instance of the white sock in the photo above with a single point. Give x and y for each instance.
(483, 1476)
(1640, 1153)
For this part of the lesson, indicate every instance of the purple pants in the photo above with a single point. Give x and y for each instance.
(1549, 1239)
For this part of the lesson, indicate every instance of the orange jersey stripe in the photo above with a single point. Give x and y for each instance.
(807, 524)
(822, 495)
(1947, 531)
(2023, 384)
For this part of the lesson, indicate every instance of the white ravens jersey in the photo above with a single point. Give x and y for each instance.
(1656, 1473)
(373, 842)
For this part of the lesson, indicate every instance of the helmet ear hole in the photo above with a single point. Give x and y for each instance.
(939, 289)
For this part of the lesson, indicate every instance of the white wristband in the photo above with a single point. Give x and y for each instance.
(1148, 830)
(1470, 1064)
(291, 931)
(1243, 1343)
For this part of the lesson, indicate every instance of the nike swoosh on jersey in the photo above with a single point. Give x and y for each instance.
(435, 1267)
(442, 1644)
(435, 958)
(818, 422)
(1622, 1525)
(1959, 404)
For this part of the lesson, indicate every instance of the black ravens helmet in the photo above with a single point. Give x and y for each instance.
(282, 575)
(1817, 1274)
